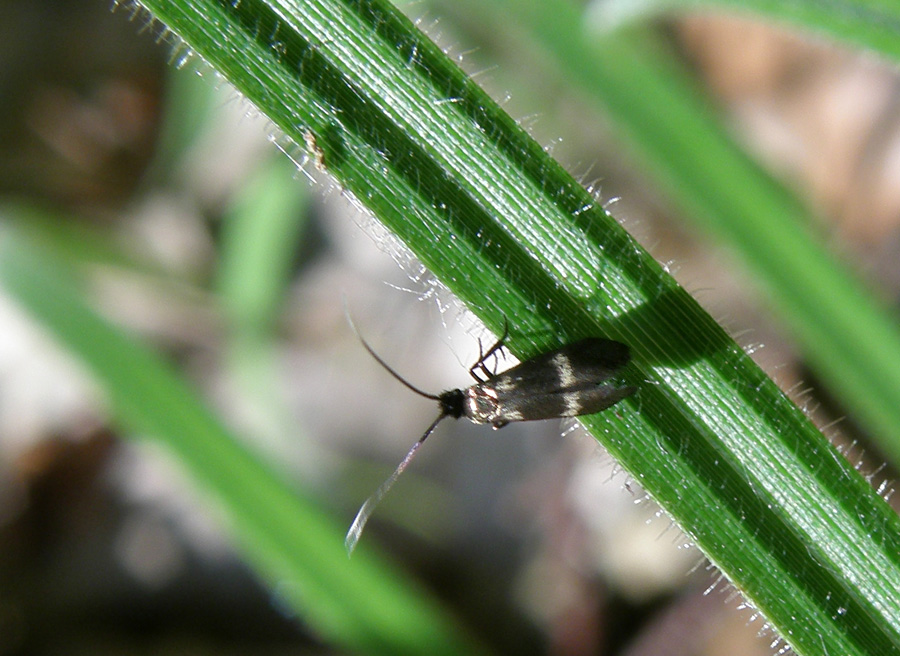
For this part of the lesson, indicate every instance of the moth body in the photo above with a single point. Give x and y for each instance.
(570, 381)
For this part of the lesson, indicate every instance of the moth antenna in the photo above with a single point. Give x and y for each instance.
(365, 511)
(407, 384)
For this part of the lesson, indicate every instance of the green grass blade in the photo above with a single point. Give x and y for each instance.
(260, 236)
(360, 603)
(510, 232)
(851, 339)
(261, 231)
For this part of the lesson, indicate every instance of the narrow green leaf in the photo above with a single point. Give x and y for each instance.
(851, 339)
(260, 236)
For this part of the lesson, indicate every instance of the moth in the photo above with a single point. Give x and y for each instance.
(570, 381)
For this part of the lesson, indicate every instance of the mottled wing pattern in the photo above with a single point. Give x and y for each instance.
(567, 382)
(572, 403)
(586, 362)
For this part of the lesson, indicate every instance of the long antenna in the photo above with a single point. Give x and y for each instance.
(384, 364)
(359, 523)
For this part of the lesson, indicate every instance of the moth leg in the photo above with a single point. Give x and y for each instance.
(479, 365)
(483, 357)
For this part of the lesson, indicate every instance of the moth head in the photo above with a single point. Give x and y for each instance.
(452, 403)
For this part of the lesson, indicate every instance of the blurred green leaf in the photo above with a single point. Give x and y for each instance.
(362, 604)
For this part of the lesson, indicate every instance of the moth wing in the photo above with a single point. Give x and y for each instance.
(599, 398)
(569, 403)
(585, 362)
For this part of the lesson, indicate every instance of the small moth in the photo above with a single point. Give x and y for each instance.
(566, 382)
